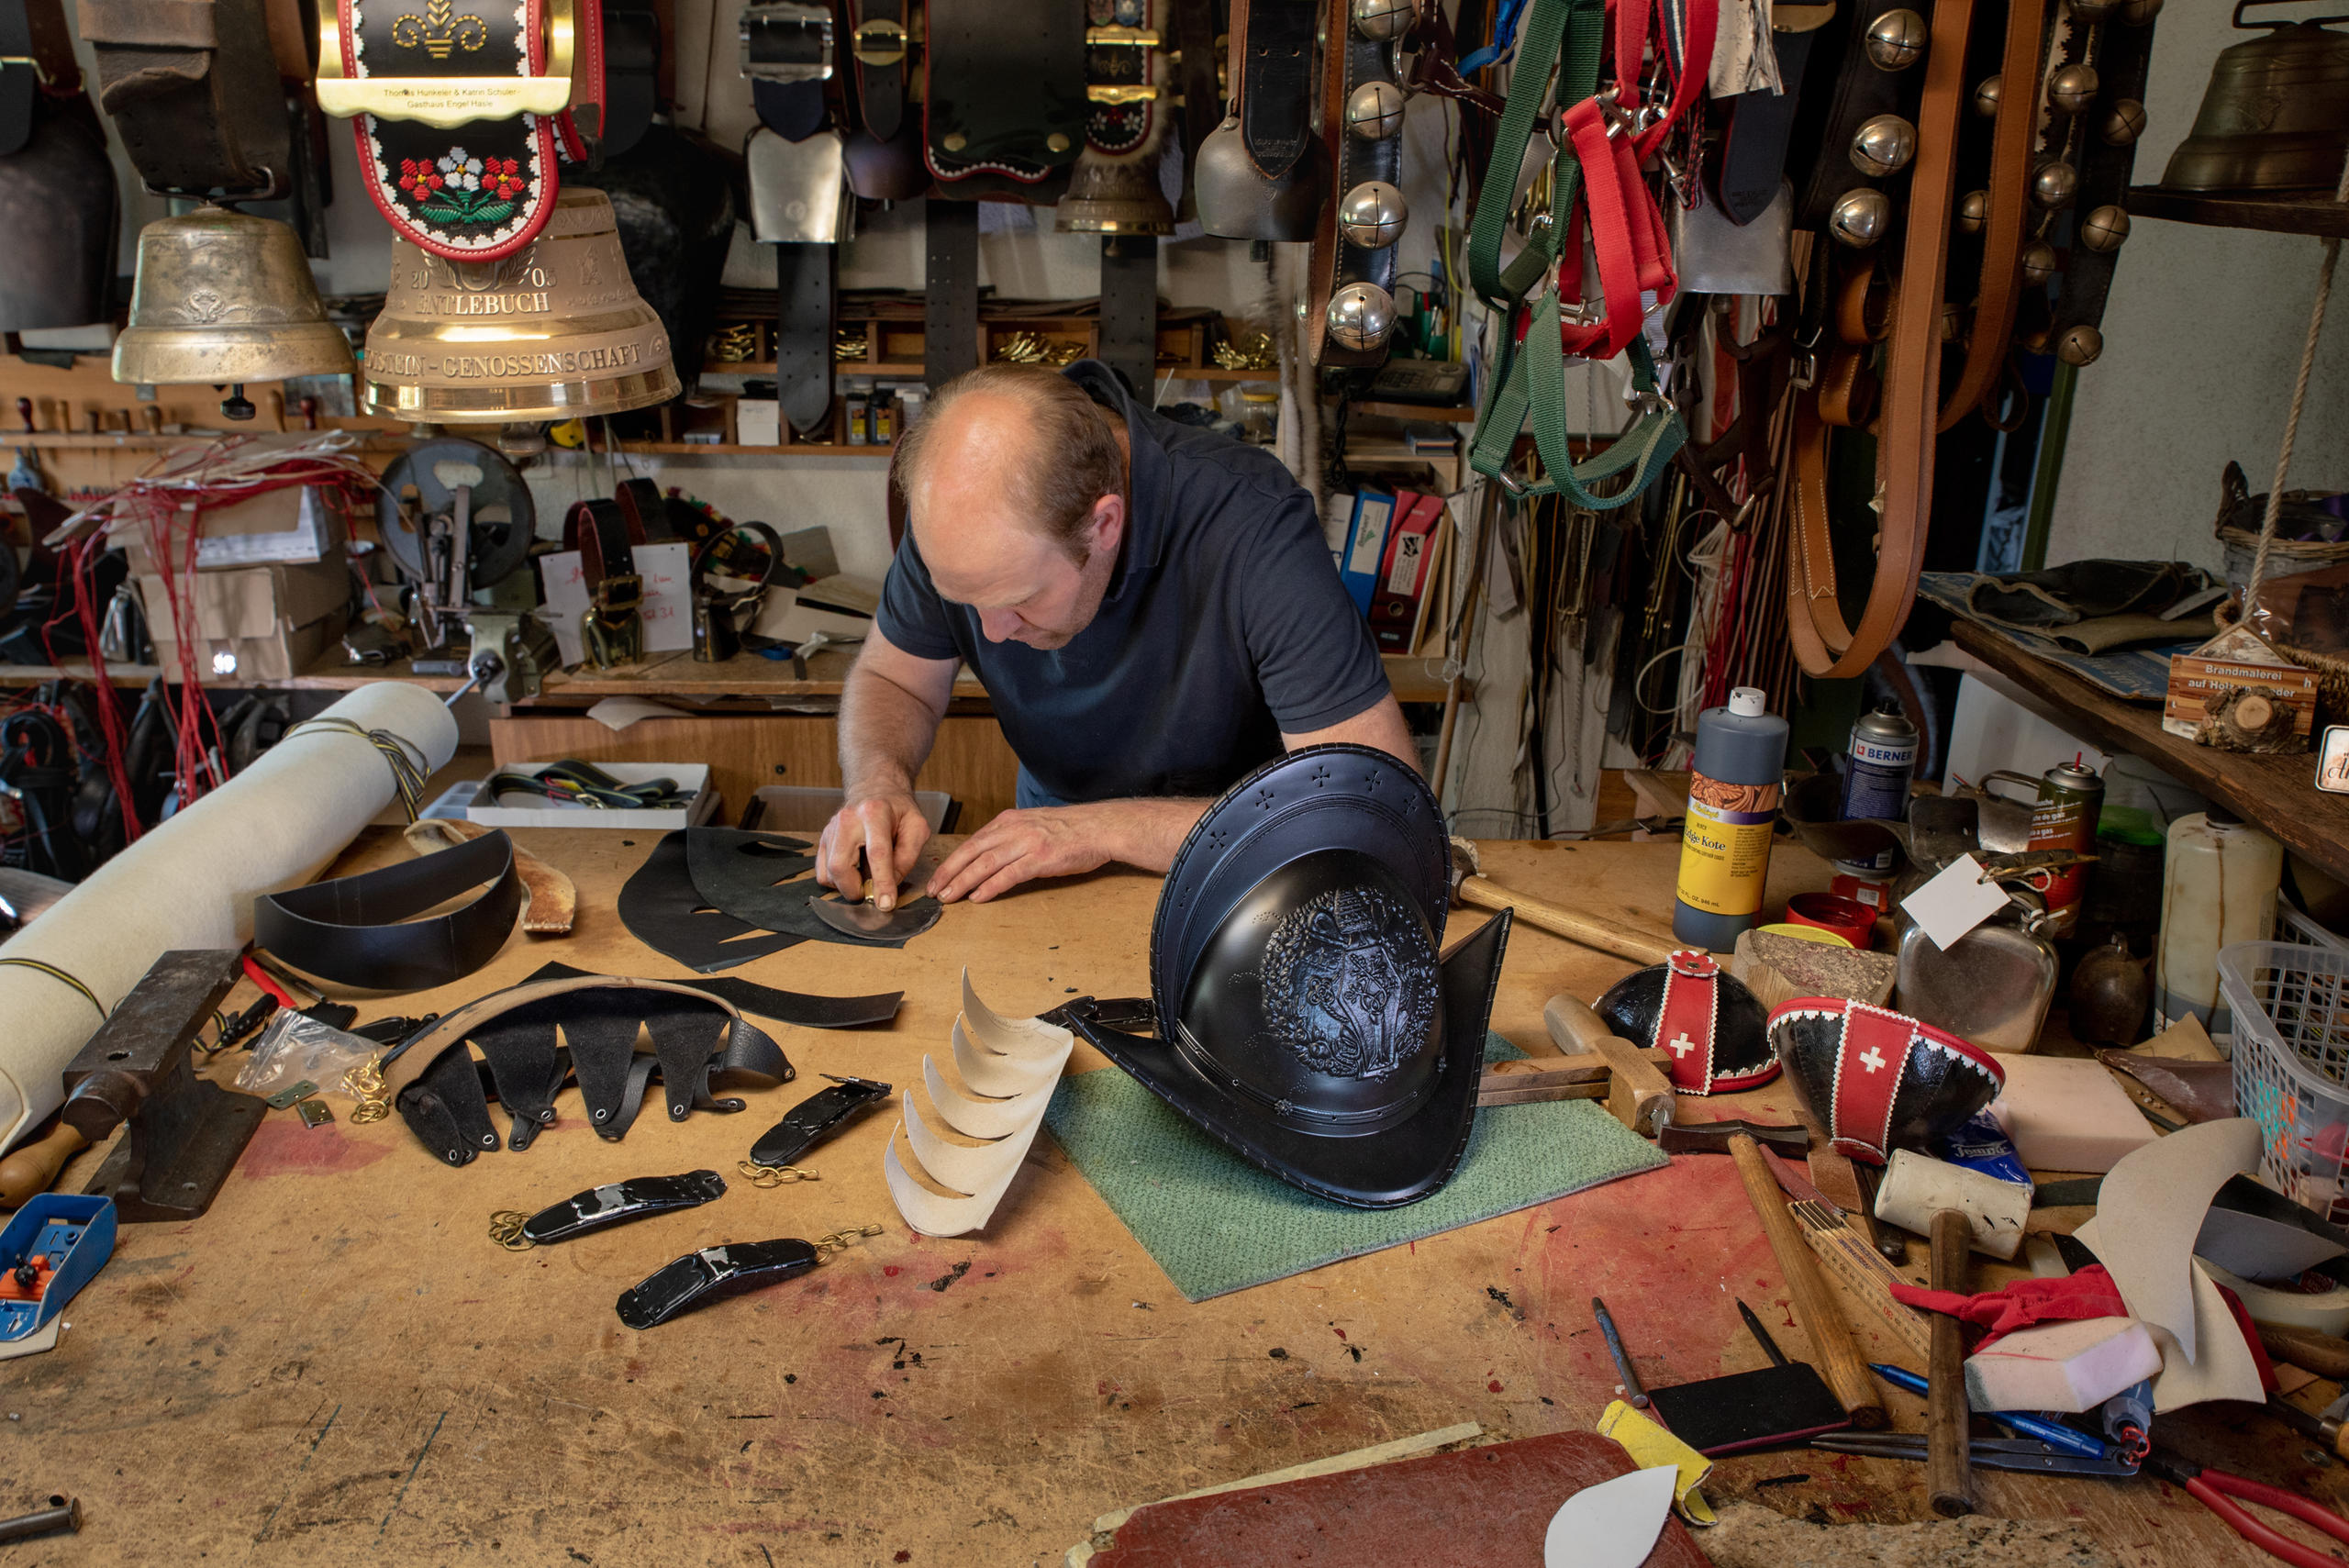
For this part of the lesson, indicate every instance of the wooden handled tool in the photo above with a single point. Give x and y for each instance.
(1949, 1474)
(31, 1167)
(2319, 1354)
(1470, 886)
(1638, 1094)
(1530, 1082)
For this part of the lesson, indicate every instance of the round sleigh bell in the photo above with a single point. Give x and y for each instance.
(2072, 88)
(2105, 227)
(1382, 20)
(556, 331)
(1883, 145)
(2055, 184)
(1375, 111)
(1372, 215)
(1361, 315)
(1897, 39)
(224, 297)
(1860, 217)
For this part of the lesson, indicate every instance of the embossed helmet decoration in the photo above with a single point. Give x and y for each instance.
(1304, 1017)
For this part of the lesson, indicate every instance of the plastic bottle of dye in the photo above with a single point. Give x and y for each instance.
(1739, 770)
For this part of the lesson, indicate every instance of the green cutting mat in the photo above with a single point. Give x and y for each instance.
(1217, 1224)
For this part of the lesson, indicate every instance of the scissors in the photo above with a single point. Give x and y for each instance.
(2213, 1488)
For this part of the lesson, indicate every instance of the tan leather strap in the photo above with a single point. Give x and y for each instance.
(1862, 304)
(1823, 643)
(1847, 389)
(2010, 211)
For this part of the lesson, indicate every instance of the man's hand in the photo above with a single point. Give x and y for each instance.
(1017, 846)
(889, 828)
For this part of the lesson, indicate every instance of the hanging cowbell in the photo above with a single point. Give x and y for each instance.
(556, 331)
(2275, 116)
(225, 297)
(1114, 188)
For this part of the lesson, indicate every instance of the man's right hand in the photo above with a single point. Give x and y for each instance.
(889, 828)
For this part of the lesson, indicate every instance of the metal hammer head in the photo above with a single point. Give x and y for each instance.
(1464, 865)
(1713, 1137)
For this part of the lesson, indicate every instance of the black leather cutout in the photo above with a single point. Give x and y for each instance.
(662, 909)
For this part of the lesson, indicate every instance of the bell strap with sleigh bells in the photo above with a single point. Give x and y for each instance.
(459, 107)
(1598, 191)
(1361, 166)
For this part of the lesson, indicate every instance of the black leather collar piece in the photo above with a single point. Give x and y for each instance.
(618, 1203)
(766, 880)
(816, 1117)
(661, 909)
(713, 1272)
(355, 930)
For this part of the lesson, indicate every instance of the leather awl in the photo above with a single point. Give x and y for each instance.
(1469, 885)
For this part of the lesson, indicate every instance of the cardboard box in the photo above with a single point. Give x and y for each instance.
(289, 526)
(2239, 660)
(254, 623)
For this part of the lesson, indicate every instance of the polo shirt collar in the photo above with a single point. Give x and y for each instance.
(1149, 480)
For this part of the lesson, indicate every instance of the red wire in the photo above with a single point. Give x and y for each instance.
(261, 977)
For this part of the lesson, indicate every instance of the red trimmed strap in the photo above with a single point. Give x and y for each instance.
(1687, 1020)
(1870, 1061)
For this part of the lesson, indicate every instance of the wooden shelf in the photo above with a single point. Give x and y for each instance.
(721, 449)
(2315, 214)
(62, 441)
(2279, 793)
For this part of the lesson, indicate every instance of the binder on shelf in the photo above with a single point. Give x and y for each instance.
(1403, 576)
(1366, 545)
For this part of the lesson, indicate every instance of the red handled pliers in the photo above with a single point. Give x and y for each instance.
(2214, 1488)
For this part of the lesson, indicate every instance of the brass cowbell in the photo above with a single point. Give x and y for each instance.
(1114, 195)
(2275, 116)
(553, 331)
(225, 297)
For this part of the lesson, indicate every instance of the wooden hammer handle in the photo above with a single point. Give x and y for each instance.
(1949, 1475)
(1840, 1362)
(1640, 949)
(30, 1168)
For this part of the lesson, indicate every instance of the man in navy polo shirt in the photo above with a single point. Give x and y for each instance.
(1150, 606)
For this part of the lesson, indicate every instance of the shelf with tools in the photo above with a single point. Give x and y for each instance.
(2315, 214)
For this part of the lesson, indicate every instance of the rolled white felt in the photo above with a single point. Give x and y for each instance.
(1917, 1185)
(191, 882)
(2065, 1367)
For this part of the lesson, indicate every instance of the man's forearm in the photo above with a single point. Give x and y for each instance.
(885, 734)
(1145, 832)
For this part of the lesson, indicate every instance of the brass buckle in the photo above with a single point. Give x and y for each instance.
(611, 627)
(448, 102)
(767, 21)
(878, 41)
(1115, 94)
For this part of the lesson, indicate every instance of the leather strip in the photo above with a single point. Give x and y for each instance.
(701, 1277)
(880, 79)
(1686, 1019)
(1337, 261)
(783, 1006)
(816, 1117)
(1869, 1062)
(620, 1202)
(1195, 30)
(1826, 122)
(1271, 41)
(1130, 308)
(805, 275)
(951, 291)
(194, 91)
(661, 909)
(355, 930)
(2010, 218)
(1753, 161)
(550, 903)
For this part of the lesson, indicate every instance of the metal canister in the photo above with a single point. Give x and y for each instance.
(2071, 798)
(1876, 770)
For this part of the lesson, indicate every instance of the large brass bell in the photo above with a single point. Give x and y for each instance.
(554, 330)
(226, 298)
(2275, 116)
(1114, 195)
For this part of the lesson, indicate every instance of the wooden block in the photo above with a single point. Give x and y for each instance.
(1639, 1096)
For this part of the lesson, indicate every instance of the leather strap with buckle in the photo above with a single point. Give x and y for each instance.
(787, 54)
(192, 88)
(604, 533)
(884, 150)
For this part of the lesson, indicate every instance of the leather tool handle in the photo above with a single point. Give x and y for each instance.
(1949, 1478)
(1485, 893)
(32, 1169)
(1832, 1345)
(1639, 1093)
(2319, 1354)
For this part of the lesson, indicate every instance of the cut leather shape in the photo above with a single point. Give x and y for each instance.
(1304, 1020)
(783, 1006)
(618, 1203)
(355, 930)
(710, 1275)
(1005, 92)
(661, 909)
(975, 1175)
(815, 1119)
(440, 1093)
(550, 902)
(194, 91)
(1713, 1033)
(1879, 1080)
(764, 880)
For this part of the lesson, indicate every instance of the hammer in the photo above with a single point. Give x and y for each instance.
(1470, 886)
(1840, 1362)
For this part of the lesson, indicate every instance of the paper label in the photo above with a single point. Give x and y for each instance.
(1954, 902)
(1725, 845)
(1370, 535)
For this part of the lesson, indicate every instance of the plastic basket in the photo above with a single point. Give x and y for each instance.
(2291, 1060)
(2291, 926)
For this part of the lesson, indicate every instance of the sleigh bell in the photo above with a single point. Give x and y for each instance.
(553, 331)
(226, 298)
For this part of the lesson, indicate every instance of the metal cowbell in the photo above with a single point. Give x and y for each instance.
(554, 331)
(2275, 116)
(224, 297)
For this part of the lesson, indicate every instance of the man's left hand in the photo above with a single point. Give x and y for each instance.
(1017, 846)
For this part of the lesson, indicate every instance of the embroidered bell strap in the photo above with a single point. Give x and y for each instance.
(1121, 74)
(1337, 260)
(457, 106)
(1870, 1061)
(1003, 92)
(1688, 1017)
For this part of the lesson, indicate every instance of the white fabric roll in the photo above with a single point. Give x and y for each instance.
(192, 882)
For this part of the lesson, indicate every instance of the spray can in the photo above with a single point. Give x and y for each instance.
(2071, 798)
(1734, 790)
(1876, 771)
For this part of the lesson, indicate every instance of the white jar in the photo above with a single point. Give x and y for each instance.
(2218, 882)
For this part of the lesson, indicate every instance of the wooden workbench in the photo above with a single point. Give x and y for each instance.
(336, 1364)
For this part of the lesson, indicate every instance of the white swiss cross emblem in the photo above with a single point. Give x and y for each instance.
(1871, 1059)
(1681, 1044)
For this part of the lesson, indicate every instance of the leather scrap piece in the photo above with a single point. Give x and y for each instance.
(766, 880)
(550, 902)
(359, 930)
(662, 908)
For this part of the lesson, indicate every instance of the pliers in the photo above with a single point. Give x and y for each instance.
(2213, 1488)
(1991, 1453)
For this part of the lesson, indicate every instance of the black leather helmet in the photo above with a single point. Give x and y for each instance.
(1304, 1017)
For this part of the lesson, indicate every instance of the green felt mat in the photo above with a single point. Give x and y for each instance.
(1217, 1224)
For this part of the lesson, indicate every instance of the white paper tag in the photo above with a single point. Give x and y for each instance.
(1954, 902)
(566, 591)
(667, 569)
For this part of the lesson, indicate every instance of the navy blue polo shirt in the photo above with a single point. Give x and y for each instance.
(1223, 625)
